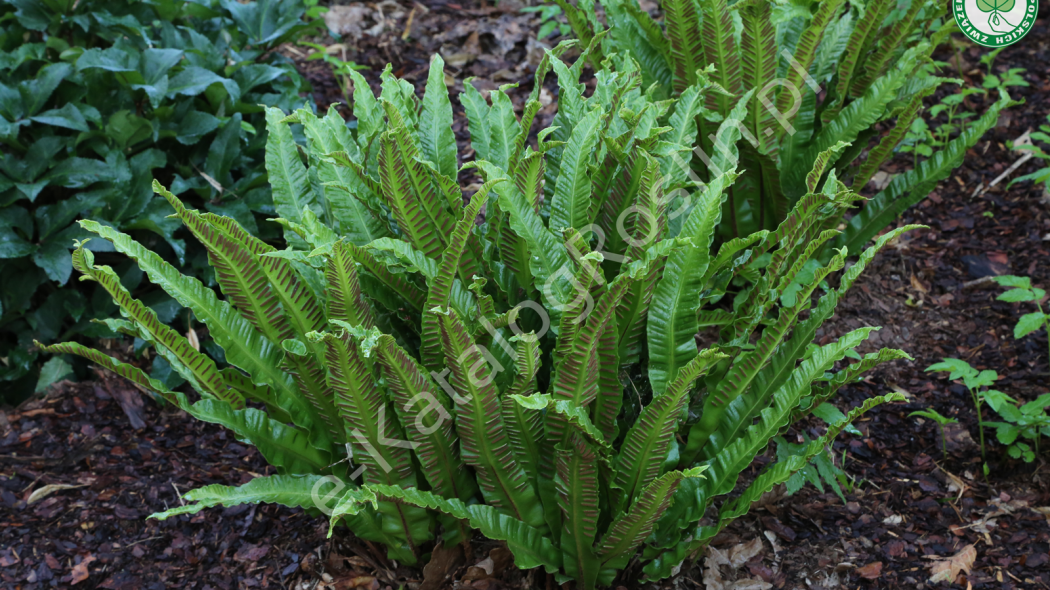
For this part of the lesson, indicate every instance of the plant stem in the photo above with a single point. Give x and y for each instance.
(980, 420)
(1046, 325)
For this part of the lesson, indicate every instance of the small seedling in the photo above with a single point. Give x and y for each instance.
(1021, 290)
(340, 66)
(1012, 77)
(1043, 174)
(941, 421)
(549, 19)
(974, 381)
(1029, 421)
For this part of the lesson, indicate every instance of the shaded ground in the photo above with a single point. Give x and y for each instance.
(908, 503)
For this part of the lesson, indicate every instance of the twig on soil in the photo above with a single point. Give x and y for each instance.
(178, 494)
(1022, 140)
(981, 282)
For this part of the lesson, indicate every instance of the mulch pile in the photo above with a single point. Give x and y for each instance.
(81, 469)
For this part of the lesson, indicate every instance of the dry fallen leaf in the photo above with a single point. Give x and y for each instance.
(742, 553)
(872, 571)
(956, 484)
(80, 570)
(947, 570)
(734, 558)
(45, 491)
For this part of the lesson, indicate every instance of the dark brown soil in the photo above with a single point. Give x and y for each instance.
(908, 505)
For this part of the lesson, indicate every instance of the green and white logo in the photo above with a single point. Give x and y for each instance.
(995, 23)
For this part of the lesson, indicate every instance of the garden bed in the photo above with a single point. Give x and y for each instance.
(909, 505)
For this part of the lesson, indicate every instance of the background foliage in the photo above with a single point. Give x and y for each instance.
(98, 98)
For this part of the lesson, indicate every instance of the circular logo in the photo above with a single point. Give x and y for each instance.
(995, 23)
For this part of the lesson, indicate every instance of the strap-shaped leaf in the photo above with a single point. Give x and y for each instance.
(858, 116)
(686, 40)
(125, 370)
(409, 192)
(720, 49)
(297, 302)
(435, 134)
(203, 369)
(804, 53)
(549, 260)
(291, 186)
(504, 129)
(484, 443)
(238, 273)
(329, 135)
(369, 422)
(860, 40)
(245, 347)
(571, 204)
(367, 111)
(576, 481)
(577, 375)
(780, 472)
(373, 430)
(294, 491)
(758, 66)
(525, 431)
(477, 109)
(624, 185)
(441, 283)
(889, 41)
(647, 443)
(343, 290)
(396, 282)
(889, 142)
(629, 530)
(309, 374)
(850, 374)
(609, 399)
(726, 467)
(633, 28)
(529, 545)
(577, 20)
(425, 410)
(528, 115)
(672, 313)
(586, 284)
(912, 186)
(284, 447)
(744, 371)
(824, 159)
(524, 425)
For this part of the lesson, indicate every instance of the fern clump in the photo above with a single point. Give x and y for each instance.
(415, 375)
(815, 76)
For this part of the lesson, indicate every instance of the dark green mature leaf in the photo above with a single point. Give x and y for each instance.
(295, 491)
(912, 186)
(645, 448)
(437, 140)
(720, 49)
(672, 313)
(576, 481)
(686, 40)
(528, 544)
(571, 205)
(483, 436)
(292, 190)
